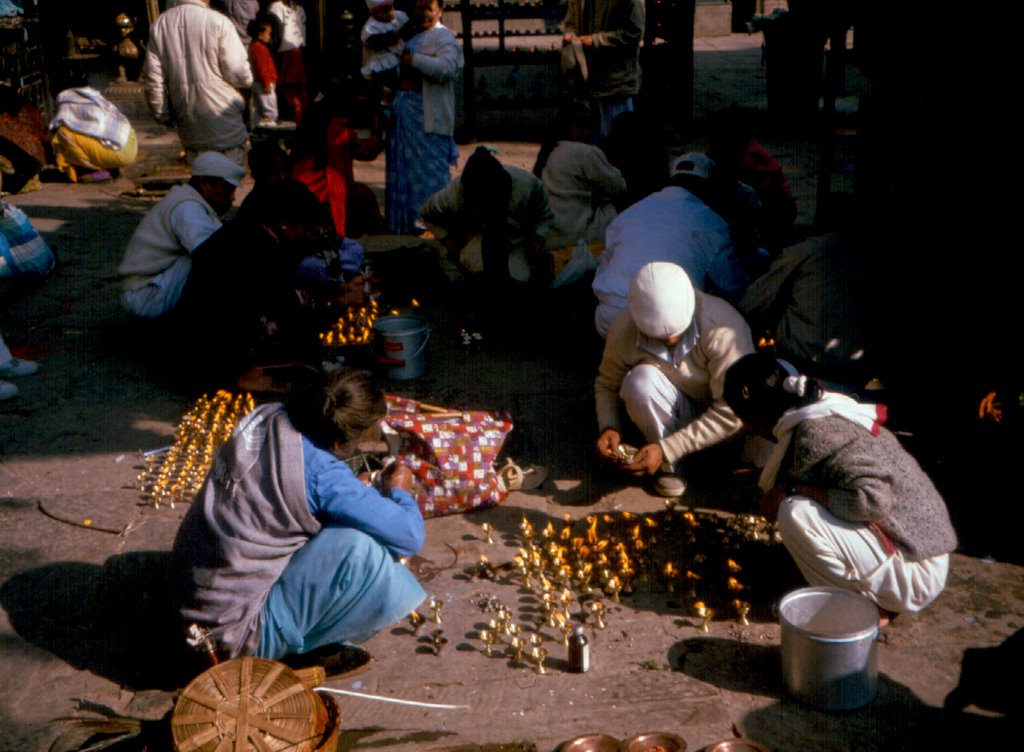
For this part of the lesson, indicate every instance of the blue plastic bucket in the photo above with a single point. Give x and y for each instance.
(401, 343)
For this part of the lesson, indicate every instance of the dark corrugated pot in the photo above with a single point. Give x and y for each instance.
(829, 649)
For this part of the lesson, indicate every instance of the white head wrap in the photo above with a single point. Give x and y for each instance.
(661, 300)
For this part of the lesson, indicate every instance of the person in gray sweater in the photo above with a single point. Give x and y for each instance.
(855, 510)
(285, 551)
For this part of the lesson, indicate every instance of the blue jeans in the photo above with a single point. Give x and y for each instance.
(342, 586)
(605, 110)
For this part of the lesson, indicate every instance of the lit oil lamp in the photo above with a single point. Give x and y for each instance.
(596, 609)
(705, 613)
(504, 620)
(732, 566)
(613, 587)
(416, 619)
(742, 609)
(485, 570)
(734, 585)
(438, 641)
(583, 575)
(670, 573)
(488, 637)
(566, 629)
(516, 646)
(435, 605)
(691, 579)
(539, 654)
(488, 530)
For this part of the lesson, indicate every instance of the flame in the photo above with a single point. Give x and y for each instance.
(670, 570)
(592, 529)
(732, 566)
(734, 585)
(990, 408)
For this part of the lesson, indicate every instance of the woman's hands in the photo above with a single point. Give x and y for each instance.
(399, 476)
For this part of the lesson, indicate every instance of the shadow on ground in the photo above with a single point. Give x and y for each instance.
(114, 620)
(895, 720)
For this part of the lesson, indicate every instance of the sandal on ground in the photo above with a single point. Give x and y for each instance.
(512, 477)
(337, 660)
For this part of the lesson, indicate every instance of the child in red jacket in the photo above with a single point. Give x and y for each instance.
(264, 72)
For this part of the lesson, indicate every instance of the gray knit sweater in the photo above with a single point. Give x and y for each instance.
(872, 479)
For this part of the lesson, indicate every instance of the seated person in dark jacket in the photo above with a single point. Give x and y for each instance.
(244, 303)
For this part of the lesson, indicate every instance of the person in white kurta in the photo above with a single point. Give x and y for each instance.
(674, 225)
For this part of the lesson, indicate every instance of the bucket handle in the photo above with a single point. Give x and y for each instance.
(399, 362)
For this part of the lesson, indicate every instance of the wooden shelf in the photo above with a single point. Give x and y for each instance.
(501, 47)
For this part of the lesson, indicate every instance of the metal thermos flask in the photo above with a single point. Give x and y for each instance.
(579, 651)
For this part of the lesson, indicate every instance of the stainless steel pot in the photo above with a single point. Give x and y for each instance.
(829, 652)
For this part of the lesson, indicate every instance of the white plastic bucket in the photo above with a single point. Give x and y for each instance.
(401, 344)
(829, 652)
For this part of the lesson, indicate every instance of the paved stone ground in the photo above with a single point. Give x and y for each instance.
(84, 621)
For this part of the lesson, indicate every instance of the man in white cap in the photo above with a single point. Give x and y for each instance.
(195, 66)
(666, 356)
(685, 223)
(157, 260)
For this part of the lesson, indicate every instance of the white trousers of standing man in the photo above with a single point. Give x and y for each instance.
(655, 404)
(832, 551)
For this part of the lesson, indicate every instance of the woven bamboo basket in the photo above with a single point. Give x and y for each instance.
(253, 704)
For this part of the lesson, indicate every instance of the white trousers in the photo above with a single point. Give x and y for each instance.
(266, 102)
(159, 296)
(832, 551)
(655, 404)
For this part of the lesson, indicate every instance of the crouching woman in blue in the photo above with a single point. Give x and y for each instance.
(285, 550)
(855, 510)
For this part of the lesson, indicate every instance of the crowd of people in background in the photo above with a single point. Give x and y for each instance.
(691, 261)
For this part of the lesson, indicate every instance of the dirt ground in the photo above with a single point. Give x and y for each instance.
(85, 628)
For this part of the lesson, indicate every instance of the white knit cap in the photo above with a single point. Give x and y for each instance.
(661, 300)
(371, 4)
(694, 163)
(213, 164)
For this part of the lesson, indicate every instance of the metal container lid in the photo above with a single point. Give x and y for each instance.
(829, 614)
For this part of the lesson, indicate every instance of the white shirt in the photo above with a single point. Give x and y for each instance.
(293, 24)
